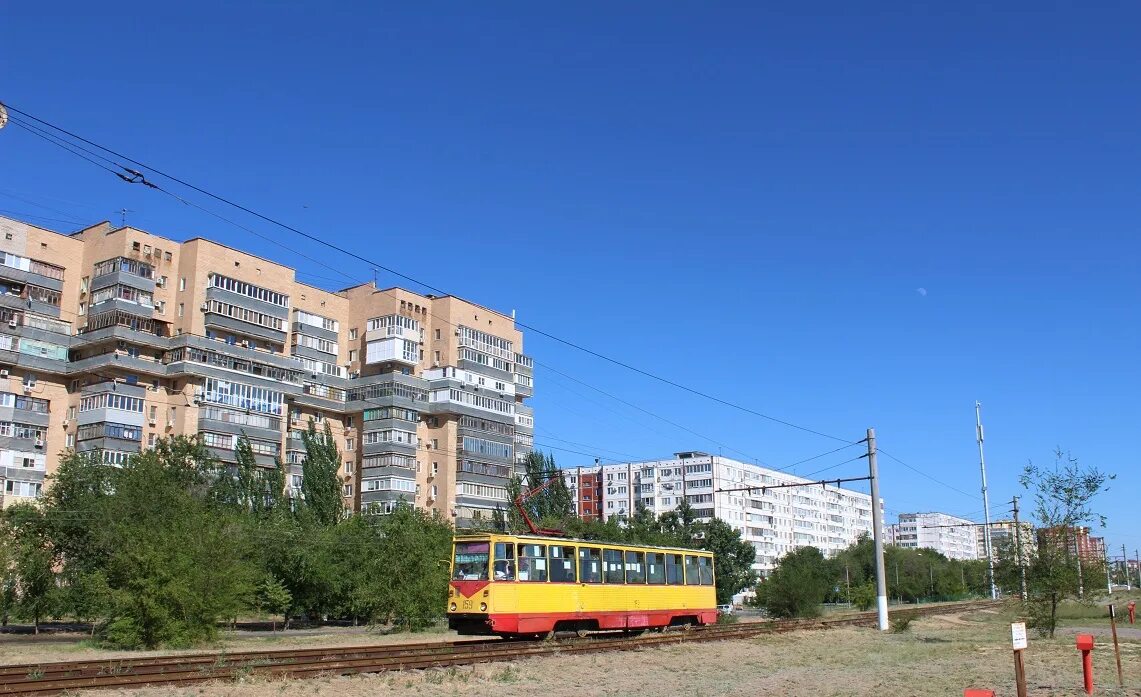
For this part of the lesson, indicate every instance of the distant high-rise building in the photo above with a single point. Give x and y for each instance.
(951, 536)
(774, 521)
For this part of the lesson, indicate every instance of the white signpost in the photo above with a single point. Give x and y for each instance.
(1018, 635)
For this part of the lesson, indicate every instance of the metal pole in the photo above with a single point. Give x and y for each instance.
(1018, 548)
(877, 532)
(986, 501)
(1125, 568)
(1137, 561)
(1108, 579)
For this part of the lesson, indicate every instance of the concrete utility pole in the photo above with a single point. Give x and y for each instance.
(1018, 548)
(877, 532)
(1125, 568)
(1108, 578)
(1137, 562)
(986, 501)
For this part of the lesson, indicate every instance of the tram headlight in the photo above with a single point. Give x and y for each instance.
(452, 607)
(483, 607)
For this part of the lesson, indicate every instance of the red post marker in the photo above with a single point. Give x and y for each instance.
(1085, 645)
(978, 693)
(1132, 610)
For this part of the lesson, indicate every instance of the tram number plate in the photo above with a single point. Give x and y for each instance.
(467, 604)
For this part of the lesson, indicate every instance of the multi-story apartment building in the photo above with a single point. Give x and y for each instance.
(774, 521)
(111, 338)
(1081, 543)
(1001, 534)
(949, 535)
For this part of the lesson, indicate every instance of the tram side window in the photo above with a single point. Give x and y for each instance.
(656, 568)
(532, 562)
(635, 567)
(504, 561)
(705, 566)
(612, 560)
(590, 565)
(692, 571)
(673, 570)
(562, 563)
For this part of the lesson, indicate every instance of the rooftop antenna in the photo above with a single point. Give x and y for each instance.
(3, 116)
(123, 216)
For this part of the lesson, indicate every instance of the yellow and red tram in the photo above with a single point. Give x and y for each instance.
(530, 584)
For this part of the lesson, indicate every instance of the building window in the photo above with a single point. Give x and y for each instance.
(348, 466)
(182, 283)
(352, 355)
(353, 335)
(181, 309)
(350, 444)
(161, 307)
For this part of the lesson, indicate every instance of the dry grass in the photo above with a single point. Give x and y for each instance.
(936, 656)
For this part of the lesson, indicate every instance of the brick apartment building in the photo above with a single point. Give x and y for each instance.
(111, 338)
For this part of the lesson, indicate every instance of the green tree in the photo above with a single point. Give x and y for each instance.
(1063, 496)
(33, 563)
(176, 565)
(246, 487)
(553, 506)
(732, 558)
(797, 587)
(320, 483)
(273, 598)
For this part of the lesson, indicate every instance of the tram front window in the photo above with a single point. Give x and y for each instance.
(470, 562)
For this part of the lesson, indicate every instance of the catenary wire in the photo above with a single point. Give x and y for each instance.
(373, 263)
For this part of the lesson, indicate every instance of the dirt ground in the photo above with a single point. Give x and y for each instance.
(936, 656)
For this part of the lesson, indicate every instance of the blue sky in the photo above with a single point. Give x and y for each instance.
(744, 200)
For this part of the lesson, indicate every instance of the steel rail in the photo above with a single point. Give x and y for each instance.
(55, 678)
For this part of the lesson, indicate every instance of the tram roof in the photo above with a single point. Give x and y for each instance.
(570, 540)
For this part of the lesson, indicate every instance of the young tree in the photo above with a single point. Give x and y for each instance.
(798, 585)
(1063, 495)
(320, 482)
(273, 598)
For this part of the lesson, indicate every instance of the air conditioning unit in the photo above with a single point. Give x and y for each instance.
(457, 332)
(39, 442)
(152, 422)
(245, 344)
(66, 423)
(12, 324)
(160, 282)
(4, 373)
(27, 389)
(205, 307)
(170, 423)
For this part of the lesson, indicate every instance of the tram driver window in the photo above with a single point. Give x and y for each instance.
(504, 561)
(692, 571)
(612, 562)
(532, 562)
(590, 565)
(656, 568)
(673, 570)
(562, 563)
(635, 567)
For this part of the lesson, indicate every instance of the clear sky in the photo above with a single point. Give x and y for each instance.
(840, 215)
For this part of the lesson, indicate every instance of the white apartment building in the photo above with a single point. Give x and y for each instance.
(951, 536)
(774, 521)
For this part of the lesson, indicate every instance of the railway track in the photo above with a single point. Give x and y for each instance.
(55, 678)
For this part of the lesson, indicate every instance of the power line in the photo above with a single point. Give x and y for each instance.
(374, 264)
(924, 474)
